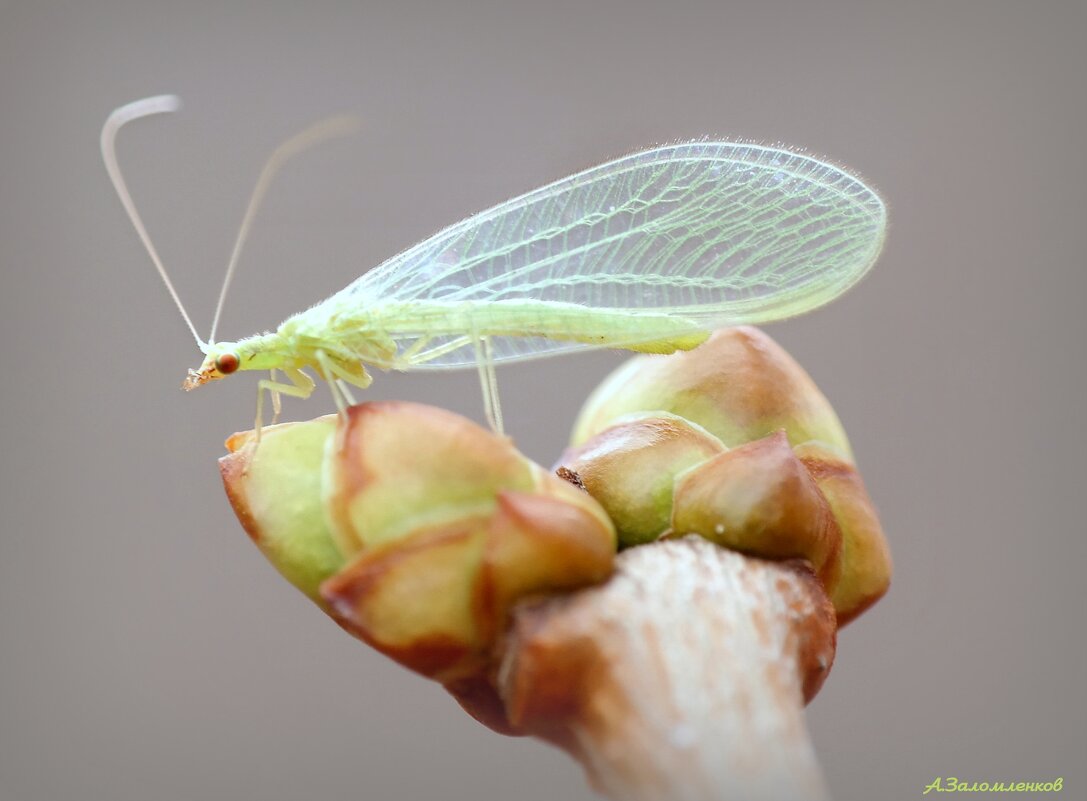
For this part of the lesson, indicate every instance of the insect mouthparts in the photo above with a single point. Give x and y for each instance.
(194, 379)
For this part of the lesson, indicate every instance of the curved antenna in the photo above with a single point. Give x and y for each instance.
(133, 111)
(319, 132)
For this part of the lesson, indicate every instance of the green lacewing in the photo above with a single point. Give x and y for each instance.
(650, 253)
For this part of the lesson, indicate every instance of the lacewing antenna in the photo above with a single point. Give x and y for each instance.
(159, 104)
(319, 132)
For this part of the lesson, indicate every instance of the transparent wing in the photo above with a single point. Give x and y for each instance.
(717, 233)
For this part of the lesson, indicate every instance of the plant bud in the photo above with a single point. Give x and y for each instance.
(396, 468)
(414, 528)
(866, 558)
(276, 493)
(739, 385)
(734, 442)
(631, 467)
(760, 499)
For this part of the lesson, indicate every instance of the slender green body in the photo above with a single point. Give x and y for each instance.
(374, 338)
(527, 318)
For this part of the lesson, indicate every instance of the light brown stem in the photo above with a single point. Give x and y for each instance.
(682, 678)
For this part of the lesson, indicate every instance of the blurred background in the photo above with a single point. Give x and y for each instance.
(146, 648)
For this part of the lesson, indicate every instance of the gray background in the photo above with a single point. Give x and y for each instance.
(146, 649)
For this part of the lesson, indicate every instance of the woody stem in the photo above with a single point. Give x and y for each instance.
(682, 678)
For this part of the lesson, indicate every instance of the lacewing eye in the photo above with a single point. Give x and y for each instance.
(227, 363)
